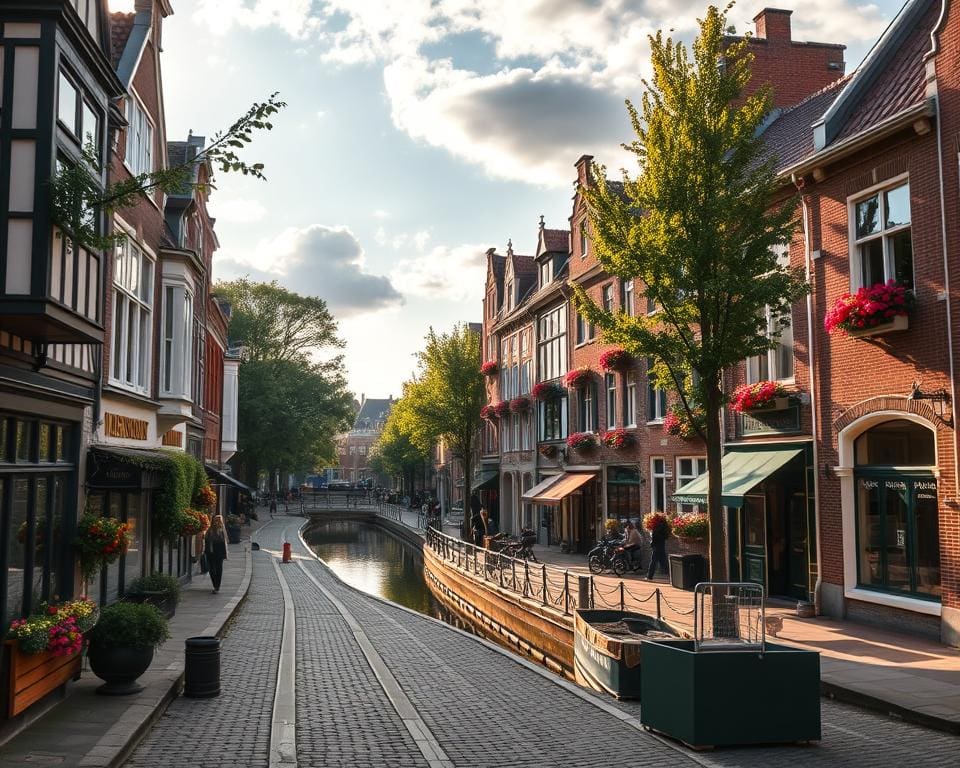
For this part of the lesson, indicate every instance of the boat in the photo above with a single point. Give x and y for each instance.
(606, 649)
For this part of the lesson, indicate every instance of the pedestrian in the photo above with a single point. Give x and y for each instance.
(215, 549)
(476, 528)
(658, 547)
(273, 506)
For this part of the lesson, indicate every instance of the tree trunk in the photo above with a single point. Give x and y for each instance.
(718, 549)
(467, 468)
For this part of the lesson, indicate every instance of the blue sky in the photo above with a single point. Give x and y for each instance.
(418, 134)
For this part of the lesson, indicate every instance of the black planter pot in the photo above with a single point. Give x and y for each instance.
(233, 534)
(163, 601)
(119, 667)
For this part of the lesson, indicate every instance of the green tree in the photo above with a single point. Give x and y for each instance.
(399, 451)
(291, 406)
(696, 227)
(445, 397)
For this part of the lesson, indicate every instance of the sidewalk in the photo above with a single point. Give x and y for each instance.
(908, 676)
(91, 731)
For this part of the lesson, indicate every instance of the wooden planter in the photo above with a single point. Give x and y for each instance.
(898, 323)
(34, 675)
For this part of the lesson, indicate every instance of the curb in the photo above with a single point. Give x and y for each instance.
(115, 746)
(866, 701)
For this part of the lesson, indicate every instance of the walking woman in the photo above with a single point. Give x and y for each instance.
(215, 548)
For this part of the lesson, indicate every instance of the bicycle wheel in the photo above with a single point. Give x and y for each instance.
(619, 565)
(595, 564)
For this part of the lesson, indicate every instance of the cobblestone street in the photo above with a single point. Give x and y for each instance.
(377, 685)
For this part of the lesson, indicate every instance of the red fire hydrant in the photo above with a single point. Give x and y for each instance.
(286, 551)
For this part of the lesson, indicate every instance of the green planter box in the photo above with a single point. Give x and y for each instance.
(721, 698)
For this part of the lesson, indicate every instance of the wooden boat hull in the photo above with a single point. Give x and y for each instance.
(606, 649)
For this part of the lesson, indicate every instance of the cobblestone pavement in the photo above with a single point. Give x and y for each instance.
(484, 708)
(232, 729)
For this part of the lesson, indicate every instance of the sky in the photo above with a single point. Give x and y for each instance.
(418, 134)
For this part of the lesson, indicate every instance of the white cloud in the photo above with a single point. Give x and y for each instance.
(292, 16)
(322, 261)
(455, 274)
(237, 211)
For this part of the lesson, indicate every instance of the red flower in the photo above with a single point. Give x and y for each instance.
(489, 368)
(578, 377)
(615, 359)
(869, 307)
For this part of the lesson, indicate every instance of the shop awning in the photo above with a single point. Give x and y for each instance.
(483, 481)
(222, 477)
(741, 470)
(554, 489)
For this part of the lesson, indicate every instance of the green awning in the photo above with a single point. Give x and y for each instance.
(482, 481)
(741, 470)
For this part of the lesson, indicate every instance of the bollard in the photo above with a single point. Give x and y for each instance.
(286, 551)
(201, 671)
(583, 592)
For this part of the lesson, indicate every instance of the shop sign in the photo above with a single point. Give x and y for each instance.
(760, 422)
(111, 473)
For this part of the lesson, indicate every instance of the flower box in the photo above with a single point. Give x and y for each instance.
(871, 310)
(616, 359)
(777, 404)
(547, 391)
(520, 404)
(762, 396)
(578, 377)
(501, 409)
(898, 323)
(618, 439)
(34, 675)
(582, 441)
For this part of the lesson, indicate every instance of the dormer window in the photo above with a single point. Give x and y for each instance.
(139, 156)
(510, 295)
(583, 239)
(546, 272)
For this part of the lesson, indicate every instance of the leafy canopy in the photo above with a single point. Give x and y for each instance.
(400, 449)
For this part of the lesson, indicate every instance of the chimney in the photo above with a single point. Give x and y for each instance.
(584, 177)
(773, 24)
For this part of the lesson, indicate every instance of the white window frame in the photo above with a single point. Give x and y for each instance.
(607, 298)
(125, 294)
(659, 410)
(627, 297)
(176, 335)
(610, 387)
(697, 463)
(630, 400)
(856, 268)
(658, 478)
(588, 408)
(584, 240)
(138, 157)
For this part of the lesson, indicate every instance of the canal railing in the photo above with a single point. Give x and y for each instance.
(550, 585)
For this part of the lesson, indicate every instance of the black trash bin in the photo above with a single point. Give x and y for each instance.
(201, 673)
(686, 571)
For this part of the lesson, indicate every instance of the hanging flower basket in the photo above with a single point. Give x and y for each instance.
(502, 408)
(578, 377)
(618, 439)
(653, 520)
(195, 523)
(695, 526)
(100, 541)
(487, 412)
(520, 404)
(874, 307)
(547, 391)
(206, 498)
(764, 395)
(616, 359)
(489, 368)
(582, 441)
(678, 424)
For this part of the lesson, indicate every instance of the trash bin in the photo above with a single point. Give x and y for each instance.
(201, 672)
(686, 571)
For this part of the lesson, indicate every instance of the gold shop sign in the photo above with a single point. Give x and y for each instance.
(115, 425)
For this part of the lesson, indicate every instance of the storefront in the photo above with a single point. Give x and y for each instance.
(768, 495)
(572, 500)
(624, 501)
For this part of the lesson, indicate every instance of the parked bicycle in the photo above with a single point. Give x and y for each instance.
(601, 557)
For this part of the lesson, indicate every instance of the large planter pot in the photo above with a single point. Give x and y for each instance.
(33, 675)
(163, 601)
(119, 667)
(233, 534)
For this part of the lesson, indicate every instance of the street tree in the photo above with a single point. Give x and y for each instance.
(399, 451)
(697, 229)
(445, 396)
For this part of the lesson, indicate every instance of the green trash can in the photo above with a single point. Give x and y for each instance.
(686, 571)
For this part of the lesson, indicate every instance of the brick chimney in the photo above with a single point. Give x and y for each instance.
(584, 177)
(773, 24)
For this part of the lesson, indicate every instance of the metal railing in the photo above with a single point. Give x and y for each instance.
(549, 585)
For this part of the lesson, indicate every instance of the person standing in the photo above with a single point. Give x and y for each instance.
(215, 548)
(658, 547)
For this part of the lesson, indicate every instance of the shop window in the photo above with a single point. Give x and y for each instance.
(689, 468)
(623, 492)
(898, 538)
(882, 247)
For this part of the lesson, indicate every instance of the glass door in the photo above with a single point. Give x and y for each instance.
(754, 516)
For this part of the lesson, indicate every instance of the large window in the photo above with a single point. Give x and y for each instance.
(898, 532)
(553, 419)
(689, 468)
(883, 249)
(630, 400)
(139, 156)
(656, 398)
(610, 384)
(588, 408)
(658, 485)
(777, 363)
(176, 368)
(132, 311)
(546, 271)
(623, 492)
(585, 329)
(36, 473)
(552, 344)
(76, 113)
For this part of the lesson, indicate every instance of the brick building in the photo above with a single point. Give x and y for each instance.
(353, 447)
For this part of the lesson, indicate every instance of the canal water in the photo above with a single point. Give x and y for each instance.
(370, 559)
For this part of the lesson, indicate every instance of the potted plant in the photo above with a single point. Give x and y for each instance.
(871, 310)
(762, 396)
(232, 524)
(122, 645)
(616, 359)
(158, 589)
